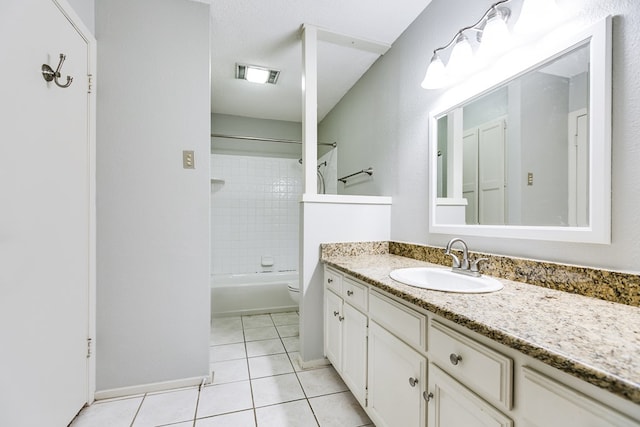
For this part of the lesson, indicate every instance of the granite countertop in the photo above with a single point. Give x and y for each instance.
(595, 340)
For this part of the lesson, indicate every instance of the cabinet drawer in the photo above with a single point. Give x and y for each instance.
(333, 280)
(405, 323)
(483, 370)
(354, 293)
(546, 402)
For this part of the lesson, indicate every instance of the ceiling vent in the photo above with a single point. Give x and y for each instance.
(256, 74)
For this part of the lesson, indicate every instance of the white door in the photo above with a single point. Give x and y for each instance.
(354, 351)
(45, 217)
(579, 168)
(333, 329)
(470, 175)
(491, 173)
(396, 381)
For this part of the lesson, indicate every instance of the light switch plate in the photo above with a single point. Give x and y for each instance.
(188, 159)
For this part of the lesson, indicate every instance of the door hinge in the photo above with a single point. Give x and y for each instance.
(89, 83)
(88, 348)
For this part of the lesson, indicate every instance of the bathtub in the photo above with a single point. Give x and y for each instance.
(254, 293)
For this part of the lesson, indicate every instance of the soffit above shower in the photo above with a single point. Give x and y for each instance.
(266, 33)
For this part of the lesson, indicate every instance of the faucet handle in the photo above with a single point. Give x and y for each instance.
(456, 260)
(475, 265)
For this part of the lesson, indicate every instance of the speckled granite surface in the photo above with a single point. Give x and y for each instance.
(597, 341)
(623, 288)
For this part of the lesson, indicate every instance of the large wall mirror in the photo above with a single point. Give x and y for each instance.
(529, 156)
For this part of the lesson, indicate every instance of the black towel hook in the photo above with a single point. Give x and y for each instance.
(48, 74)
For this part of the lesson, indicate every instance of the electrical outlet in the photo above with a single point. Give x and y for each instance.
(188, 159)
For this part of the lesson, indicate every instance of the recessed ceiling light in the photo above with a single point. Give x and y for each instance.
(255, 74)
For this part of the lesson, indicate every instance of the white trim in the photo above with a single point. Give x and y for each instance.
(346, 199)
(86, 34)
(152, 387)
(451, 201)
(599, 38)
(312, 364)
(352, 42)
(310, 107)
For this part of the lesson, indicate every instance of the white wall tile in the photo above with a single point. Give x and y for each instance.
(254, 213)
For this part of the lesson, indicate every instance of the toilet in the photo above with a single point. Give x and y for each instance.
(294, 291)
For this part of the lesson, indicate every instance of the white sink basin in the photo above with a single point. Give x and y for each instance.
(439, 279)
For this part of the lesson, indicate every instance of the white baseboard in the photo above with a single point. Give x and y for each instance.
(152, 387)
(311, 364)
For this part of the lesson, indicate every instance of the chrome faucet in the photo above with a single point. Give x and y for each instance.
(464, 266)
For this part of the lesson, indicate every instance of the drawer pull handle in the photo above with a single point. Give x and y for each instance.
(349, 293)
(455, 358)
(426, 396)
(329, 280)
(335, 313)
(413, 381)
(341, 318)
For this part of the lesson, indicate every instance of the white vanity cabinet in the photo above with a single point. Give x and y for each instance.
(412, 369)
(345, 333)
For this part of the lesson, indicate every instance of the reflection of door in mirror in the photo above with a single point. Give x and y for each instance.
(491, 183)
(578, 168)
(470, 175)
(484, 173)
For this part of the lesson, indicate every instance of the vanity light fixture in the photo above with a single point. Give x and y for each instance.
(256, 74)
(491, 33)
(537, 16)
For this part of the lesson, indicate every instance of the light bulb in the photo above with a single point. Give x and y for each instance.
(537, 16)
(461, 57)
(257, 75)
(495, 38)
(435, 75)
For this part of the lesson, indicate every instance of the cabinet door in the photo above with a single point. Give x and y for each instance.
(452, 404)
(397, 376)
(333, 329)
(547, 403)
(354, 351)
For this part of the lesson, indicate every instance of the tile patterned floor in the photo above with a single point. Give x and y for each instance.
(257, 382)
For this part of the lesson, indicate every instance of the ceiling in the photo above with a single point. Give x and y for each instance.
(267, 33)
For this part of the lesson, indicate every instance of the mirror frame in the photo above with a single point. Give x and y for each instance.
(511, 66)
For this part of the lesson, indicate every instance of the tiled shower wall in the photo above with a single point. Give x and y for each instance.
(254, 213)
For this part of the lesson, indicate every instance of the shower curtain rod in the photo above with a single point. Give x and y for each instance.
(253, 138)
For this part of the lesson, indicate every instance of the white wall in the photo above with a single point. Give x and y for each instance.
(261, 128)
(153, 215)
(331, 219)
(544, 121)
(86, 11)
(389, 99)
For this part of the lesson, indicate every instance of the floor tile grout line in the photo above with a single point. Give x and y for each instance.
(246, 354)
(138, 410)
(306, 398)
(195, 414)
